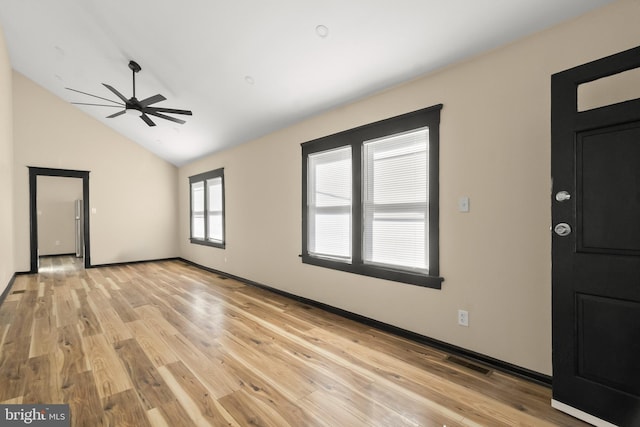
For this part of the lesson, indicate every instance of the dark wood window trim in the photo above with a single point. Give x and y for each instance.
(355, 137)
(203, 177)
(34, 172)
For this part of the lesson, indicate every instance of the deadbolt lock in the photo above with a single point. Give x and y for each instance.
(562, 229)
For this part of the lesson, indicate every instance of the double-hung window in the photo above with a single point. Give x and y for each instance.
(370, 199)
(207, 208)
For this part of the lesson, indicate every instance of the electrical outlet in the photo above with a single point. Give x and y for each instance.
(463, 318)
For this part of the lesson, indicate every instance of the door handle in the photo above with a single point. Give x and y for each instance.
(562, 229)
(562, 196)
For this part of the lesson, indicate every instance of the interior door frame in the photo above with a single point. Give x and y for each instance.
(566, 122)
(34, 173)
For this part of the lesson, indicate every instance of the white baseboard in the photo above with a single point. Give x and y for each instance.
(580, 414)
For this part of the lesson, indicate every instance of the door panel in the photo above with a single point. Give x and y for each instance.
(607, 348)
(595, 158)
(608, 182)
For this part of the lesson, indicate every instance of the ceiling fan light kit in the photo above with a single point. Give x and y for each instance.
(142, 108)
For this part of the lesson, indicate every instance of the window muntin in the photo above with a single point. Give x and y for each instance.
(207, 208)
(387, 226)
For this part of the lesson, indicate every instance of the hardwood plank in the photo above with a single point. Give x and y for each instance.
(124, 410)
(211, 372)
(14, 401)
(293, 382)
(133, 293)
(3, 334)
(64, 306)
(13, 361)
(43, 336)
(152, 343)
(41, 381)
(110, 376)
(8, 310)
(156, 419)
(175, 414)
(110, 323)
(122, 307)
(194, 397)
(147, 381)
(22, 323)
(270, 393)
(154, 319)
(70, 355)
(87, 319)
(250, 411)
(81, 393)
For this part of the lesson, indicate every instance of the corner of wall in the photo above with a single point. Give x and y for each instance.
(7, 247)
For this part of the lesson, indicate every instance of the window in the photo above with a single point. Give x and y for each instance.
(370, 199)
(207, 208)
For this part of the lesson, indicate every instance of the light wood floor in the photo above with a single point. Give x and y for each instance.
(167, 344)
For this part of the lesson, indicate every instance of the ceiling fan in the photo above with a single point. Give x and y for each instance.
(133, 104)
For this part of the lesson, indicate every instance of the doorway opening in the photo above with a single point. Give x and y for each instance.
(78, 254)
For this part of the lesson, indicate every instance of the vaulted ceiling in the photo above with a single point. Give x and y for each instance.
(249, 67)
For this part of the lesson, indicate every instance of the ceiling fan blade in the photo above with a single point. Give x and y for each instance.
(118, 94)
(147, 120)
(168, 110)
(162, 116)
(119, 113)
(152, 100)
(98, 105)
(95, 96)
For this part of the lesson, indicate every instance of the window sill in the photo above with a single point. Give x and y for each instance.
(207, 243)
(410, 278)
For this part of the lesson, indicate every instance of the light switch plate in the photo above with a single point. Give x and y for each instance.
(463, 204)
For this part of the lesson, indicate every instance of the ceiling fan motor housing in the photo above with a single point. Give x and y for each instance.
(133, 66)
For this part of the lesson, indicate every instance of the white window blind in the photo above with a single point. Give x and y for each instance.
(197, 210)
(329, 204)
(214, 189)
(395, 200)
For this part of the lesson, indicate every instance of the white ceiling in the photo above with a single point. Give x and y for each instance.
(200, 54)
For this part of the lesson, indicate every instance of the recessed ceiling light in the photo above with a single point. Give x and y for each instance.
(249, 80)
(322, 31)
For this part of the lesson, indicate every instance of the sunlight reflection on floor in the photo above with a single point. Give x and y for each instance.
(59, 264)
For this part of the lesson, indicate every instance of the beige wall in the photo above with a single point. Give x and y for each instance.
(56, 202)
(6, 168)
(132, 191)
(495, 148)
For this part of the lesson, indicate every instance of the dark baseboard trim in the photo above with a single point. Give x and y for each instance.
(115, 264)
(6, 291)
(482, 359)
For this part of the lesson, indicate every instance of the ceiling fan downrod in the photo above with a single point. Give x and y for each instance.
(133, 66)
